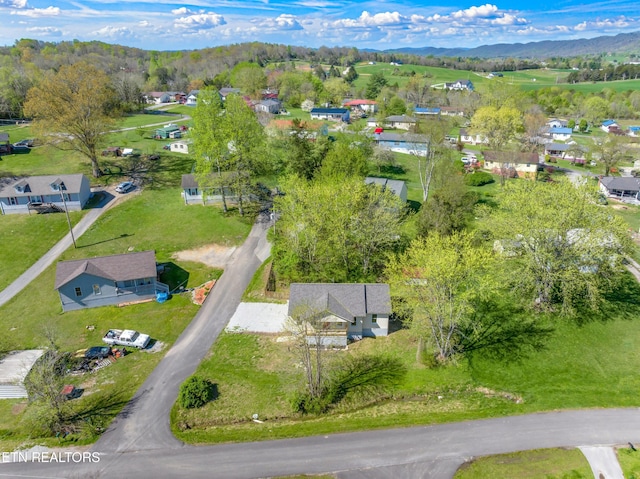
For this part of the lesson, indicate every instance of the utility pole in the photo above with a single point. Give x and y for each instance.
(66, 210)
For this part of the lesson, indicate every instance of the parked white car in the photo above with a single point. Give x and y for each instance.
(125, 186)
(127, 337)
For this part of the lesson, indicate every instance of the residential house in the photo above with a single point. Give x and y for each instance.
(634, 131)
(181, 146)
(397, 187)
(193, 193)
(370, 107)
(269, 106)
(460, 85)
(401, 122)
(474, 139)
(428, 111)
(269, 94)
(333, 114)
(609, 126)
(5, 146)
(402, 143)
(557, 123)
(344, 311)
(192, 98)
(44, 193)
(158, 97)
(561, 134)
(556, 150)
(451, 111)
(513, 164)
(224, 92)
(108, 280)
(620, 187)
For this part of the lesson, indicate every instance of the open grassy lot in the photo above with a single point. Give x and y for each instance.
(536, 464)
(629, 462)
(592, 363)
(26, 238)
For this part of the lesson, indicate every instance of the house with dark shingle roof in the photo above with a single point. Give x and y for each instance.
(412, 144)
(343, 310)
(515, 163)
(620, 187)
(54, 192)
(397, 187)
(333, 114)
(108, 280)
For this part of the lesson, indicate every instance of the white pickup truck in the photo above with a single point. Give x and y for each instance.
(127, 337)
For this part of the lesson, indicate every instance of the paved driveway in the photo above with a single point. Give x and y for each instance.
(14, 367)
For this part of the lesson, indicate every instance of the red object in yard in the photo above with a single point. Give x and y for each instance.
(67, 390)
(378, 130)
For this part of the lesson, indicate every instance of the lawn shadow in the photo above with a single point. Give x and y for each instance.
(123, 235)
(173, 275)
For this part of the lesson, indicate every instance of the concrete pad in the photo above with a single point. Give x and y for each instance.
(259, 318)
(603, 461)
(15, 366)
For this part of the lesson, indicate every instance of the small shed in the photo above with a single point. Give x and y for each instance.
(168, 131)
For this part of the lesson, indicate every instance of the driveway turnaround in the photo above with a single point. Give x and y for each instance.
(259, 318)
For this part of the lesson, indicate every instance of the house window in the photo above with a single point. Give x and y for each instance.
(96, 289)
(129, 283)
(374, 319)
(13, 200)
(78, 291)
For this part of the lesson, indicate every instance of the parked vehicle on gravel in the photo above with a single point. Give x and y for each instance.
(127, 337)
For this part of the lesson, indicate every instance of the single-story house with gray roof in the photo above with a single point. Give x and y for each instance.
(408, 143)
(401, 122)
(108, 280)
(51, 193)
(333, 114)
(620, 186)
(557, 150)
(397, 187)
(343, 310)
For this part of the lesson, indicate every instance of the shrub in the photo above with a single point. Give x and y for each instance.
(478, 178)
(196, 392)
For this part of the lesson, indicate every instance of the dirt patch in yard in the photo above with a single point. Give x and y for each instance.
(214, 255)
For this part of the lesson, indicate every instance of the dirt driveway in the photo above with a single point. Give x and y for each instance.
(214, 255)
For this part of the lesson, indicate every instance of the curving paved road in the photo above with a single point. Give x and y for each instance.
(418, 452)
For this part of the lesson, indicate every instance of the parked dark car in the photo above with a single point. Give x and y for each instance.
(17, 149)
(97, 352)
(28, 143)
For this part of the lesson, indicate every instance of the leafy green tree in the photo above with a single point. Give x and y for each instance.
(375, 85)
(334, 230)
(250, 78)
(448, 209)
(441, 279)
(595, 109)
(610, 151)
(335, 90)
(583, 126)
(396, 106)
(347, 158)
(74, 108)
(564, 250)
(352, 75)
(499, 125)
(229, 144)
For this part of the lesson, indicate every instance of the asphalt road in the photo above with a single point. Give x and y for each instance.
(418, 452)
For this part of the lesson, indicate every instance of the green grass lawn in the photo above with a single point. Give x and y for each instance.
(535, 464)
(587, 364)
(629, 462)
(26, 238)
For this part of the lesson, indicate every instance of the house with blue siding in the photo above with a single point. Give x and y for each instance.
(44, 193)
(427, 111)
(108, 280)
(343, 311)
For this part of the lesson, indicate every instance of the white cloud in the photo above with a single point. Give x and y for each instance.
(13, 3)
(183, 11)
(144, 24)
(376, 20)
(484, 11)
(45, 31)
(283, 22)
(114, 32)
(38, 12)
(201, 21)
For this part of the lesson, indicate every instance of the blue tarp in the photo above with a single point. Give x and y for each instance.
(161, 296)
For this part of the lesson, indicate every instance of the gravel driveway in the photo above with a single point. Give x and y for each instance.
(259, 318)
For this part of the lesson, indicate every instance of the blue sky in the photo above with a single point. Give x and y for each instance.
(380, 24)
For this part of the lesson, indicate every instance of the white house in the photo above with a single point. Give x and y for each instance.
(367, 106)
(460, 85)
(474, 139)
(514, 164)
(609, 126)
(181, 146)
(561, 134)
(402, 143)
(44, 193)
(401, 122)
(333, 114)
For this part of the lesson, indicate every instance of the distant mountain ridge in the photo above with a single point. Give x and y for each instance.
(621, 43)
